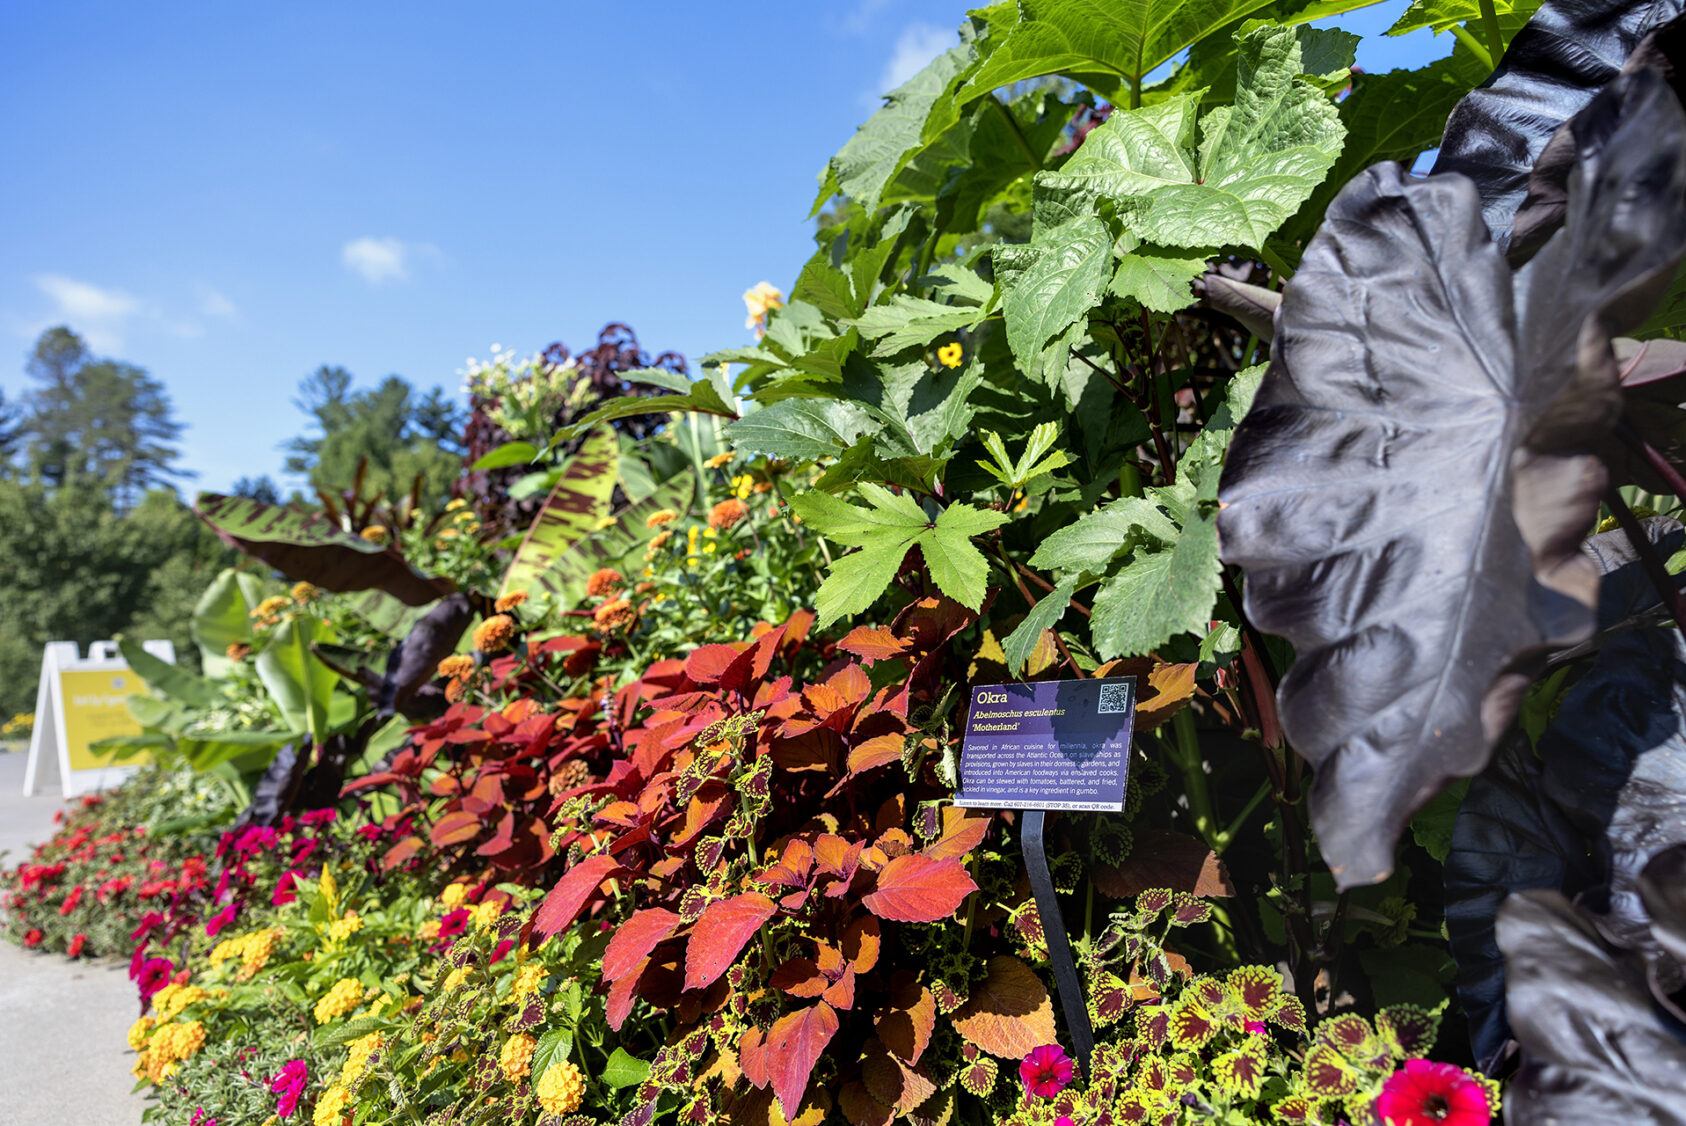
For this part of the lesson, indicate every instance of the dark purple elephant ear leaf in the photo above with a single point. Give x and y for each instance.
(1596, 1047)
(1551, 70)
(310, 546)
(1409, 492)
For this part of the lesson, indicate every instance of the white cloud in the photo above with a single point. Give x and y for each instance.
(99, 314)
(214, 304)
(861, 16)
(377, 260)
(917, 45)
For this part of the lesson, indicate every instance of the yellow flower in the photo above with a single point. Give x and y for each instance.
(742, 485)
(342, 997)
(172, 999)
(759, 300)
(495, 634)
(331, 1107)
(305, 592)
(657, 542)
(561, 1088)
(267, 612)
(357, 1058)
(527, 981)
(330, 888)
(255, 950)
(429, 930)
(718, 460)
(486, 913)
(950, 354)
(374, 534)
(510, 601)
(453, 896)
(138, 1032)
(516, 1057)
(660, 517)
(345, 926)
(456, 667)
(455, 503)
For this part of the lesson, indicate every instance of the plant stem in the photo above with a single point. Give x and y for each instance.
(1278, 265)
(1661, 465)
(1185, 752)
(1648, 557)
(1227, 837)
(1490, 26)
(1476, 47)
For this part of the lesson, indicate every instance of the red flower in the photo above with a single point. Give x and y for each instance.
(285, 889)
(32, 937)
(155, 974)
(1425, 1093)
(1046, 1071)
(453, 923)
(221, 919)
(288, 1085)
(77, 942)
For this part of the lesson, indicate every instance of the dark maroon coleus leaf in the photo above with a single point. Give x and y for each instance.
(307, 545)
(1564, 55)
(1600, 1043)
(1409, 492)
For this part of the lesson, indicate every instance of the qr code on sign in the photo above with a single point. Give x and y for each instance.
(1115, 698)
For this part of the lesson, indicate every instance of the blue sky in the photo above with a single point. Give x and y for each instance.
(233, 194)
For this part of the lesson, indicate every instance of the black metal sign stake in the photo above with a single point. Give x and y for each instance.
(1066, 981)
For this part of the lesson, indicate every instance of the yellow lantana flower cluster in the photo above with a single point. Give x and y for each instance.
(345, 926)
(268, 612)
(486, 913)
(169, 1001)
(331, 1108)
(342, 997)
(253, 950)
(358, 1057)
(453, 896)
(527, 981)
(165, 1046)
(561, 1088)
(516, 1059)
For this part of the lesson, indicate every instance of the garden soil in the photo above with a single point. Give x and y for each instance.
(62, 1023)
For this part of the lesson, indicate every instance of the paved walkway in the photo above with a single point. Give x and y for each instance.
(61, 1022)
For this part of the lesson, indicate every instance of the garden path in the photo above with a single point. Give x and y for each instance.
(61, 1023)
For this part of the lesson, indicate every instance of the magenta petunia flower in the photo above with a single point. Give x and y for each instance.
(286, 888)
(287, 1085)
(1425, 1093)
(155, 974)
(1046, 1071)
(221, 919)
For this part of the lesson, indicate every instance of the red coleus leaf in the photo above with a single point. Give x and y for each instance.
(918, 889)
(787, 1055)
(455, 828)
(708, 663)
(564, 902)
(720, 934)
(634, 940)
(873, 643)
(749, 667)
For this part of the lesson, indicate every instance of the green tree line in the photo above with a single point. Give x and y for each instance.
(96, 539)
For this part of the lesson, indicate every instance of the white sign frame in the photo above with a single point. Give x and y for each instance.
(47, 746)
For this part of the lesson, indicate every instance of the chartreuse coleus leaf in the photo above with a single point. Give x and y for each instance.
(883, 532)
(1255, 162)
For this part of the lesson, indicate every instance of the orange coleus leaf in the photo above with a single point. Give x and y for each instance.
(800, 977)
(880, 750)
(890, 1080)
(720, 934)
(861, 943)
(634, 939)
(454, 828)
(564, 902)
(786, 1056)
(873, 643)
(1009, 1012)
(918, 889)
(708, 663)
(963, 830)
